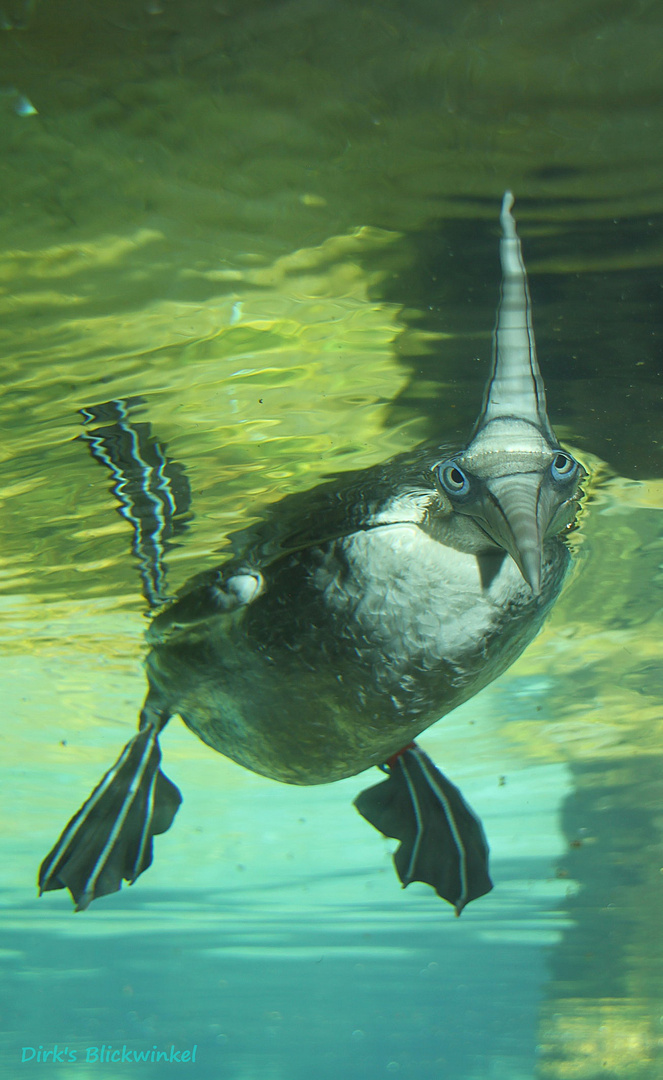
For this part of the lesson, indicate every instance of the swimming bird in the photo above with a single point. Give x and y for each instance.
(350, 620)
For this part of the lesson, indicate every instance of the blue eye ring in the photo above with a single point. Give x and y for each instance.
(563, 466)
(452, 478)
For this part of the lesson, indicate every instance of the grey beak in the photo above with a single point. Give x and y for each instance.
(516, 515)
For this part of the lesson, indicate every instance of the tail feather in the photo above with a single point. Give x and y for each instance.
(110, 838)
(442, 841)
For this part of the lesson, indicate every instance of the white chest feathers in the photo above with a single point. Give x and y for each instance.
(397, 587)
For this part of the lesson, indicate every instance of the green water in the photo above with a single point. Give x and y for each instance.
(277, 223)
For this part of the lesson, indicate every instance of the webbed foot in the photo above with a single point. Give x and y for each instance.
(110, 838)
(442, 841)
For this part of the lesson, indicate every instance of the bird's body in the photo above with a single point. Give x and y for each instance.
(355, 617)
(340, 652)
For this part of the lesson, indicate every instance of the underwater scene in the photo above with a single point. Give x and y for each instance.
(331, 554)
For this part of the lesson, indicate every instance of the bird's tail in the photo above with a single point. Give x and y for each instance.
(110, 838)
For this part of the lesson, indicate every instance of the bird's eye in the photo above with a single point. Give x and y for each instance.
(453, 479)
(563, 466)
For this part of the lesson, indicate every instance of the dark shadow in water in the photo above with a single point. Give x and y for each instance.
(605, 987)
(599, 332)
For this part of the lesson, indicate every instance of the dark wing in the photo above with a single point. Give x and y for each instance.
(345, 503)
(398, 490)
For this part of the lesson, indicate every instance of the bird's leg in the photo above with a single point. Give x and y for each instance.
(442, 841)
(110, 837)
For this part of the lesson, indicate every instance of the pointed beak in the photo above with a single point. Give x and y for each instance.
(516, 516)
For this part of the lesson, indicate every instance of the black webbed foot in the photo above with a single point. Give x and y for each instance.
(442, 842)
(110, 838)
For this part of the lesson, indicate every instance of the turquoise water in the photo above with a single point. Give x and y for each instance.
(277, 223)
